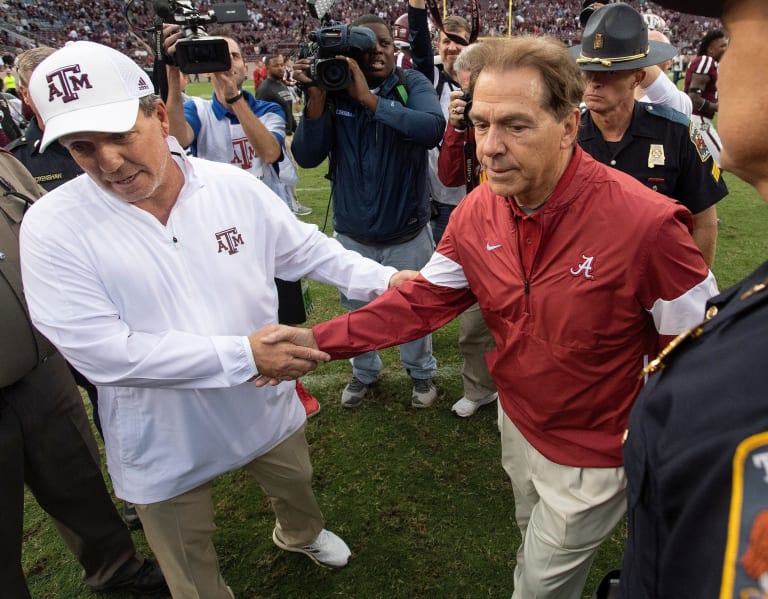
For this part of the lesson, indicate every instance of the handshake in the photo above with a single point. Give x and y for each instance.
(285, 353)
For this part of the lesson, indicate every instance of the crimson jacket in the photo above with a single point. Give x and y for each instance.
(574, 295)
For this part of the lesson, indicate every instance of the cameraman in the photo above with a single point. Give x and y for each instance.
(232, 126)
(376, 134)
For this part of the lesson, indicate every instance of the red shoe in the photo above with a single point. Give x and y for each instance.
(311, 405)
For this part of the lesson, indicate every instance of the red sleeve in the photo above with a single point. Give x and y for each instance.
(450, 162)
(397, 316)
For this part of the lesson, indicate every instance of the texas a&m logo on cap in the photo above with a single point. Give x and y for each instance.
(64, 83)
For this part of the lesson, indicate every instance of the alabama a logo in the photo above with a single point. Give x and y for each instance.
(745, 567)
(64, 83)
(584, 268)
(229, 241)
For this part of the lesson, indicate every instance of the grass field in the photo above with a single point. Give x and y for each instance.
(419, 495)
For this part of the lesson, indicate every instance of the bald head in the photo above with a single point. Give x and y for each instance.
(654, 35)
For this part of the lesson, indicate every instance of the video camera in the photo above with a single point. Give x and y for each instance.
(198, 52)
(325, 44)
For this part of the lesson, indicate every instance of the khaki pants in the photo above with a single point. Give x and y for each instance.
(564, 513)
(475, 341)
(180, 530)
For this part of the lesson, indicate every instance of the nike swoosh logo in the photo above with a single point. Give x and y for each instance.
(490, 247)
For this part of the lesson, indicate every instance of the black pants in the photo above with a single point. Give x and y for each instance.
(46, 442)
(93, 396)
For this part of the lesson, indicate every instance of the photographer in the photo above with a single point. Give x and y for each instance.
(376, 134)
(474, 338)
(236, 128)
(232, 126)
(454, 35)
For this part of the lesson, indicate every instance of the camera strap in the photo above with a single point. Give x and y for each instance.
(434, 11)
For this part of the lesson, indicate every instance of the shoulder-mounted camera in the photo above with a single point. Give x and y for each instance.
(325, 44)
(329, 41)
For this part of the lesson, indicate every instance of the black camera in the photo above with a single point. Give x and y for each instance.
(466, 122)
(588, 7)
(198, 52)
(325, 44)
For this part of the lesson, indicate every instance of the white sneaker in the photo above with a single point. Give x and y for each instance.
(466, 407)
(328, 549)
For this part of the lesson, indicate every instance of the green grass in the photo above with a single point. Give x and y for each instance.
(419, 495)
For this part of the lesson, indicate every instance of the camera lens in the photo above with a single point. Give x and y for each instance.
(332, 74)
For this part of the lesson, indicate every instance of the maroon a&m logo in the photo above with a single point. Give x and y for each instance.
(64, 83)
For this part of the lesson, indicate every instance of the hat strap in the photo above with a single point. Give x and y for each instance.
(607, 62)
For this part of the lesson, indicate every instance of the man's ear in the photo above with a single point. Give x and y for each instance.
(570, 129)
(161, 113)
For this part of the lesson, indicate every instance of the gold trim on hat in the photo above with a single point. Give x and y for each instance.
(607, 62)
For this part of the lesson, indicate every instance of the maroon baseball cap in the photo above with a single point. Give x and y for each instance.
(704, 8)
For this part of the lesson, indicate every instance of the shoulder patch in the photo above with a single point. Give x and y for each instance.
(746, 553)
(697, 139)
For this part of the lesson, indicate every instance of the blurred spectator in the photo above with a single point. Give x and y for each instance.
(279, 26)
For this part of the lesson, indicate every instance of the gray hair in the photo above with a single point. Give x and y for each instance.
(563, 81)
(27, 62)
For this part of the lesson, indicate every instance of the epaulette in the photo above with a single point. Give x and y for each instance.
(665, 112)
(16, 143)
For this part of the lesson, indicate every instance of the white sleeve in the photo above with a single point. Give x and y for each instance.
(304, 251)
(663, 91)
(71, 306)
(677, 315)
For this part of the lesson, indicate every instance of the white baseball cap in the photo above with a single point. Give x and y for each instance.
(86, 86)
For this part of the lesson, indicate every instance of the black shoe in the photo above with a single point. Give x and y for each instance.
(147, 580)
(130, 517)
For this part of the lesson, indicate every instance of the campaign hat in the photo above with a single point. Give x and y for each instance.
(616, 39)
(86, 86)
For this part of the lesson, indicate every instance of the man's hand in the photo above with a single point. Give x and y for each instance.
(284, 353)
(171, 35)
(359, 89)
(315, 97)
(225, 85)
(456, 108)
(402, 276)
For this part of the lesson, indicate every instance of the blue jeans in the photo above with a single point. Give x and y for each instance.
(416, 355)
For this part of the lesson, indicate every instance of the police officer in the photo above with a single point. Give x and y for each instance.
(652, 143)
(50, 169)
(696, 450)
(55, 166)
(45, 438)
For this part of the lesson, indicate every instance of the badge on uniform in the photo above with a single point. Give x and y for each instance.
(746, 559)
(698, 141)
(656, 155)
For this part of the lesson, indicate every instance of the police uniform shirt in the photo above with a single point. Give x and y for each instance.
(662, 150)
(21, 346)
(696, 459)
(51, 168)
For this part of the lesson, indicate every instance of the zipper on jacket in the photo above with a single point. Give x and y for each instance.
(518, 233)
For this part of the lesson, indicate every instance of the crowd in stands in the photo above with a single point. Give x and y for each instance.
(281, 25)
